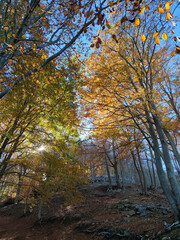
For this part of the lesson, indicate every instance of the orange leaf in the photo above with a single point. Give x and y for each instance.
(147, 7)
(157, 40)
(172, 31)
(111, 3)
(173, 54)
(137, 22)
(155, 34)
(126, 2)
(160, 9)
(167, 16)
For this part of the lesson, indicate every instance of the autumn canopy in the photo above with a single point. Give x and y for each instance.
(88, 88)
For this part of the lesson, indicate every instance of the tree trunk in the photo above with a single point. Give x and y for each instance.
(142, 171)
(152, 165)
(117, 175)
(167, 160)
(150, 174)
(162, 177)
(173, 145)
(138, 171)
(108, 172)
(122, 174)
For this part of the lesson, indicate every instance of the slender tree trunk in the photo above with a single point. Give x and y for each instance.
(18, 188)
(115, 165)
(108, 172)
(142, 171)
(122, 174)
(150, 174)
(117, 175)
(138, 171)
(153, 169)
(40, 211)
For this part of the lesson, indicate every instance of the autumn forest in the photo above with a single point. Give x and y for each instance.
(89, 93)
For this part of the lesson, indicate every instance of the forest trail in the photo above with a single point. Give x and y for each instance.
(102, 215)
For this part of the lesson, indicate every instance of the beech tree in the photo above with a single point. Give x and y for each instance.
(44, 114)
(45, 30)
(122, 83)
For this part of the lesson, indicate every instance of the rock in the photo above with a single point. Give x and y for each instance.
(84, 224)
(70, 218)
(166, 224)
(151, 207)
(117, 221)
(143, 214)
(97, 193)
(140, 210)
(116, 233)
(164, 212)
(126, 219)
(95, 223)
(131, 213)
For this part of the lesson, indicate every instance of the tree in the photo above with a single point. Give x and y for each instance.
(42, 31)
(46, 30)
(44, 115)
(45, 112)
(122, 83)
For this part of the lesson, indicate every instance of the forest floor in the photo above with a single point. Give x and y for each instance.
(102, 215)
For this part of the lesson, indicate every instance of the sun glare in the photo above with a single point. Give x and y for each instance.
(41, 148)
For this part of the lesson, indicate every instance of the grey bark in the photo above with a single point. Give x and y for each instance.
(107, 169)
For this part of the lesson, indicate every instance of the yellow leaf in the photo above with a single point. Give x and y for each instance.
(143, 38)
(142, 9)
(155, 34)
(164, 36)
(167, 16)
(137, 22)
(157, 40)
(172, 31)
(173, 54)
(147, 7)
(5, 28)
(167, 5)
(14, 35)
